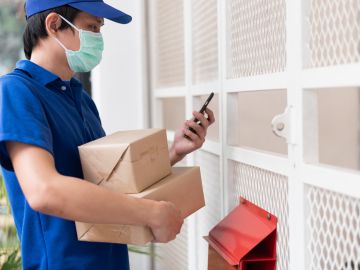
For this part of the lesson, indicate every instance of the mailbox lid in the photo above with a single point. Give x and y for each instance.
(241, 231)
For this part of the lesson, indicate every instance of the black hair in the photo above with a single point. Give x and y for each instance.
(35, 27)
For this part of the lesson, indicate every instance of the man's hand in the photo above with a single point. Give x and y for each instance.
(186, 141)
(166, 222)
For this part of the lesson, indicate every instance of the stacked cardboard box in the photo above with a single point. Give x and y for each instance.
(137, 163)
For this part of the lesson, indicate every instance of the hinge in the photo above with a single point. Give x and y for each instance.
(281, 125)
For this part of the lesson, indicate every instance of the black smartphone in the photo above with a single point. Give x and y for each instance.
(202, 110)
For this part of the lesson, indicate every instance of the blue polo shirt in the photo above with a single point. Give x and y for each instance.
(40, 109)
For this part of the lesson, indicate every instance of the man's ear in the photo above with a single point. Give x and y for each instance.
(52, 24)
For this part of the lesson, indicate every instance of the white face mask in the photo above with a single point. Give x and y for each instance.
(90, 53)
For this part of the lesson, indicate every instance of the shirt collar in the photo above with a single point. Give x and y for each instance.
(40, 74)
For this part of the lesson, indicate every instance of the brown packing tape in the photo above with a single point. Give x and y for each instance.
(147, 145)
(137, 139)
(183, 188)
(99, 161)
(124, 177)
(107, 233)
(127, 136)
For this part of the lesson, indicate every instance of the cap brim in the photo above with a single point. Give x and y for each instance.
(100, 9)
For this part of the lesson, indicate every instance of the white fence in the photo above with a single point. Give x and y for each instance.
(262, 57)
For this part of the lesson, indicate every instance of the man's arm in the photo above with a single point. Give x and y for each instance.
(51, 193)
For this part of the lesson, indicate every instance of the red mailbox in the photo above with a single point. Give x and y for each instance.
(244, 240)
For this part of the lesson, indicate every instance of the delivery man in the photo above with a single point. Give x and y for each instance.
(45, 115)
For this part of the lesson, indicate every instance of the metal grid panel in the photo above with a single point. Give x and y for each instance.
(210, 215)
(169, 58)
(204, 41)
(334, 32)
(333, 230)
(269, 191)
(256, 36)
(174, 255)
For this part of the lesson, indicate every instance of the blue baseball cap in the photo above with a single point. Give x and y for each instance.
(94, 7)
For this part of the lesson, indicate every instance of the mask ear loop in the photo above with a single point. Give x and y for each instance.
(62, 45)
(72, 25)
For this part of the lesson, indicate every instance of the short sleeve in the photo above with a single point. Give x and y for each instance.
(22, 118)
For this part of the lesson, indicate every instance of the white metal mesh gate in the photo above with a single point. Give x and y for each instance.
(333, 230)
(260, 57)
(257, 35)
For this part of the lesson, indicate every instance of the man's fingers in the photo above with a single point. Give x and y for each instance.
(203, 121)
(200, 131)
(194, 137)
(211, 116)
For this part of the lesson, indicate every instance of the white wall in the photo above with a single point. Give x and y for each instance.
(119, 82)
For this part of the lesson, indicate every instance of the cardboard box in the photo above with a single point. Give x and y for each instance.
(183, 188)
(127, 161)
